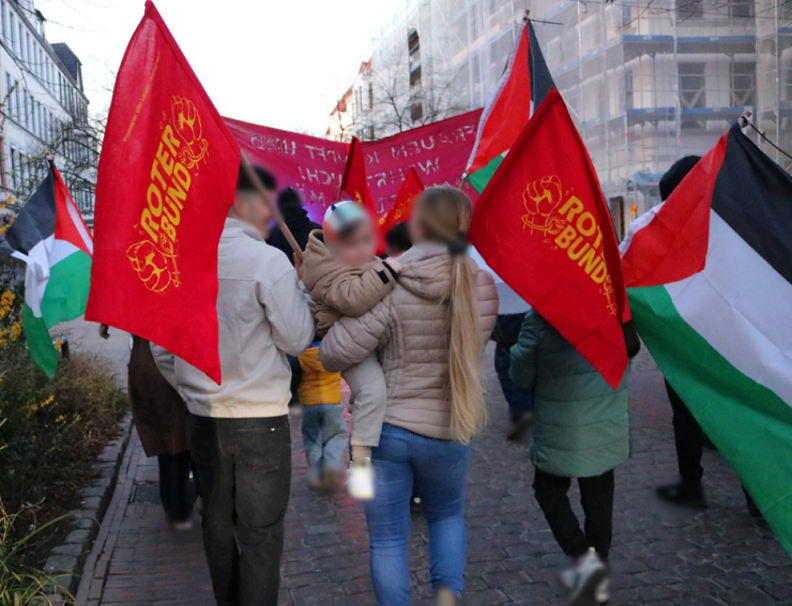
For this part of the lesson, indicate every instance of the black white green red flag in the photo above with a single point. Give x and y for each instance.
(709, 278)
(50, 236)
(521, 89)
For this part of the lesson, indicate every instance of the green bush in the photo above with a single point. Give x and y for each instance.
(50, 431)
(20, 584)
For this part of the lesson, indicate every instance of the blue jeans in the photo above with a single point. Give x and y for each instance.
(437, 470)
(507, 331)
(520, 401)
(324, 437)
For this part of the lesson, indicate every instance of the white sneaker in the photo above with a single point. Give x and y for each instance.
(360, 482)
(591, 573)
(602, 595)
(569, 578)
(182, 526)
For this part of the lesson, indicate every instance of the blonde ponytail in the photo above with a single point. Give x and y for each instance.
(444, 213)
(468, 407)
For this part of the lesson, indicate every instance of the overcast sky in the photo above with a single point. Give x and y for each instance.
(280, 63)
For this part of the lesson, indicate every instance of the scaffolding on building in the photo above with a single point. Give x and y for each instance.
(647, 81)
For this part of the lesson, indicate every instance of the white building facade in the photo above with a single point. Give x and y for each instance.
(44, 109)
(434, 59)
(646, 82)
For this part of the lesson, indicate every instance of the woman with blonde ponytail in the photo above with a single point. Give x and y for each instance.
(429, 334)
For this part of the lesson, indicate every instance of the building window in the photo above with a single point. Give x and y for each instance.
(370, 96)
(17, 101)
(626, 15)
(741, 9)
(414, 46)
(629, 91)
(415, 76)
(14, 167)
(692, 89)
(8, 98)
(743, 77)
(4, 17)
(416, 111)
(690, 9)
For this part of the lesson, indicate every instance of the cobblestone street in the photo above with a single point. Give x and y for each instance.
(716, 558)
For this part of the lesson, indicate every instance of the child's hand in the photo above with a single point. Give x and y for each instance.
(394, 264)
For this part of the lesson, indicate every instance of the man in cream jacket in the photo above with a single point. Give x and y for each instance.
(239, 430)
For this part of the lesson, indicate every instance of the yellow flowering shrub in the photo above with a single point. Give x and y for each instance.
(50, 431)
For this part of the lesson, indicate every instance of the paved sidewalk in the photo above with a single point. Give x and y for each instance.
(720, 557)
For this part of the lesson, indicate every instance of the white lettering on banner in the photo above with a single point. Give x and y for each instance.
(318, 176)
(274, 145)
(372, 158)
(431, 143)
(429, 165)
(380, 179)
(323, 153)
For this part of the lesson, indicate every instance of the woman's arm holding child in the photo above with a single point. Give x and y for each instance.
(351, 340)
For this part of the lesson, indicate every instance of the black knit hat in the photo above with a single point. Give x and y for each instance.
(675, 174)
(288, 197)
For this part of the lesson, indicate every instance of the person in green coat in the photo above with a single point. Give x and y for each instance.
(581, 430)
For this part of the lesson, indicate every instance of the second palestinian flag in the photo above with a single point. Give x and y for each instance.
(522, 88)
(709, 277)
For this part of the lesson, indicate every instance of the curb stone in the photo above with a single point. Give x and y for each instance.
(66, 560)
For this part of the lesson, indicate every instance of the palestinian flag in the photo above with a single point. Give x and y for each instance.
(50, 236)
(521, 89)
(709, 277)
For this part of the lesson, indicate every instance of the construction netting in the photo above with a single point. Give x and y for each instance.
(647, 81)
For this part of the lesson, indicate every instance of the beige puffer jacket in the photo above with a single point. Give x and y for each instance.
(409, 329)
(339, 290)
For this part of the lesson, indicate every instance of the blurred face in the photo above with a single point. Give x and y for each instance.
(357, 247)
(417, 231)
(252, 208)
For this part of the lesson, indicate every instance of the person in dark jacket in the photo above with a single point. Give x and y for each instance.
(294, 214)
(397, 240)
(160, 415)
(689, 437)
(581, 430)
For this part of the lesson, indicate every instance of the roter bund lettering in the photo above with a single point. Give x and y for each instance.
(581, 238)
(167, 192)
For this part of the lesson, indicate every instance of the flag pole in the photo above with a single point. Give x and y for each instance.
(275, 211)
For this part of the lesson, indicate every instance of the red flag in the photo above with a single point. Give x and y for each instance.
(402, 207)
(166, 180)
(542, 225)
(354, 184)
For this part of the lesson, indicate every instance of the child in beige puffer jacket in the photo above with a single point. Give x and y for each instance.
(346, 278)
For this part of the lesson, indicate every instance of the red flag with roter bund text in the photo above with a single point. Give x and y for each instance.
(354, 183)
(166, 180)
(542, 225)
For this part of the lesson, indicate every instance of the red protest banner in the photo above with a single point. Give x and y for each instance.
(166, 180)
(315, 166)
